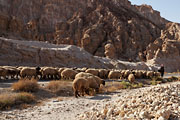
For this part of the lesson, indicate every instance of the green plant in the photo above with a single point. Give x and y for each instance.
(157, 79)
(172, 78)
(125, 84)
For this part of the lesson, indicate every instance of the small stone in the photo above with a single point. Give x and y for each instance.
(143, 114)
(161, 118)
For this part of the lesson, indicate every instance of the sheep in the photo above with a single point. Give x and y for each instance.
(68, 73)
(13, 73)
(94, 81)
(83, 74)
(157, 74)
(103, 73)
(10, 71)
(28, 72)
(59, 72)
(114, 75)
(81, 69)
(131, 78)
(143, 73)
(49, 73)
(126, 73)
(80, 85)
(92, 71)
(3, 73)
(149, 74)
(99, 81)
(138, 74)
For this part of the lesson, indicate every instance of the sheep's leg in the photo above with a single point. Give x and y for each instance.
(76, 94)
(82, 91)
(87, 91)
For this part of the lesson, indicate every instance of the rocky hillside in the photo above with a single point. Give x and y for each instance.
(35, 53)
(106, 28)
(86, 23)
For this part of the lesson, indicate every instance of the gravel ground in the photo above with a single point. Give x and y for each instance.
(159, 102)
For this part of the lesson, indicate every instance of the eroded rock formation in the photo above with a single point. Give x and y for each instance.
(89, 24)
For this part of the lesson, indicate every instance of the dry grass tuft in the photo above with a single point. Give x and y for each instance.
(26, 85)
(61, 88)
(12, 99)
(112, 87)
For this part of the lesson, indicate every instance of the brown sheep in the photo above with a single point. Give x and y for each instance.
(126, 73)
(138, 74)
(103, 73)
(94, 81)
(68, 73)
(149, 74)
(83, 74)
(3, 73)
(157, 74)
(131, 78)
(92, 71)
(114, 74)
(60, 71)
(80, 85)
(49, 72)
(28, 72)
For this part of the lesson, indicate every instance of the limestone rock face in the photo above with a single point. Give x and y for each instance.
(166, 49)
(85, 23)
(32, 53)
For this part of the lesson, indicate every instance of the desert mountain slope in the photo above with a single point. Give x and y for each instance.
(89, 24)
(115, 29)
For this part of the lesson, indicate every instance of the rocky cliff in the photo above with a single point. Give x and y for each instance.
(89, 24)
(107, 28)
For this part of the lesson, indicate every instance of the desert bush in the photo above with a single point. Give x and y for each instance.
(120, 85)
(154, 82)
(8, 100)
(26, 85)
(138, 85)
(62, 88)
(125, 84)
(172, 78)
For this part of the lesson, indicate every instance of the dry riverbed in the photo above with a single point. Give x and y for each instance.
(154, 102)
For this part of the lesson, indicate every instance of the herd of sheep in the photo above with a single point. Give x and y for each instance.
(84, 79)
(11, 72)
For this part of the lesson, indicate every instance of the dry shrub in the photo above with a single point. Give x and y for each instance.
(8, 100)
(119, 85)
(26, 85)
(111, 87)
(62, 88)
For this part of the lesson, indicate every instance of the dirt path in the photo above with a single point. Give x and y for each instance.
(69, 108)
